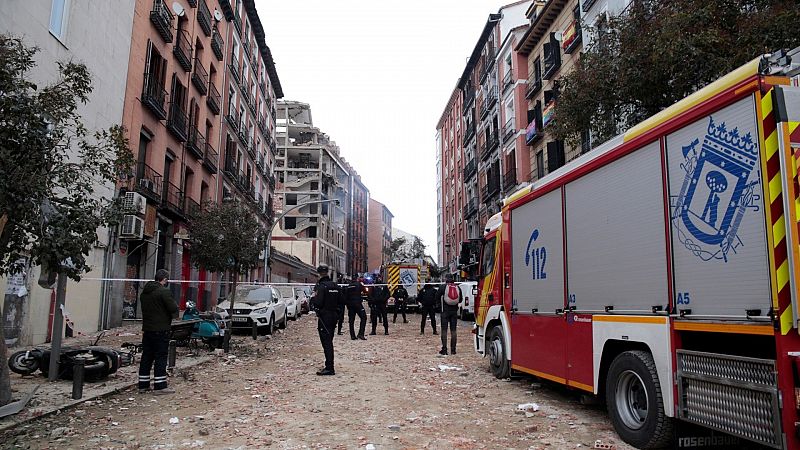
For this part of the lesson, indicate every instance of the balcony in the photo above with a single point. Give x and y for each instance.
(234, 71)
(262, 125)
(572, 37)
(162, 17)
(230, 168)
(213, 99)
(237, 22)
(196, 143)
(246, 47)
(183, 50)
(534, 86)
(484, 151)
(177, 122)
(192, 3)
(233, 120)
(508, 130)
(173, 199)
(469, 97)
(552, 60)
(492, 140)
(470, 169)
(148, 182)
(508, 80)
(469, 132)
(470, 208)
(242, 133)
(263, 88)
(510, 179)
(217, 43)
(153, 96)
(491, 189)
(204, 18)
(210, 158)
(533, 132)
(488, 102)
(200, 77)
(191, 207)
(251, 148)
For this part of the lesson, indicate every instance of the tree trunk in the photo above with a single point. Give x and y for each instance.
(229, 332)
(5, 375)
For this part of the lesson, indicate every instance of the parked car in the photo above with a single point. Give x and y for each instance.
(466, 308)
(261, 305)
(293, 296)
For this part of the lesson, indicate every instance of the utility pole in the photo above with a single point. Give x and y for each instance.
(58, 326)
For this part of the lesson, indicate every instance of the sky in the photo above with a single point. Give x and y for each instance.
(378, 75)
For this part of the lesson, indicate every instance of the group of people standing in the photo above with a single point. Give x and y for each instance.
(331, 300)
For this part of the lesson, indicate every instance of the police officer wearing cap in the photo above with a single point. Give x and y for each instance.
(326, 303)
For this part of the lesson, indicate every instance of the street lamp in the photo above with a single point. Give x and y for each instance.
(268, 274)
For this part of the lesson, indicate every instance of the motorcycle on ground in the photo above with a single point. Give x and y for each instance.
(99, 362)
(209, 327)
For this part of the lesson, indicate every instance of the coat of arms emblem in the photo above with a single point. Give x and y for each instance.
(718, 189)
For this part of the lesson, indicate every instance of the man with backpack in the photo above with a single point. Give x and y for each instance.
(400, 298)
(427, 302)
(451, 296)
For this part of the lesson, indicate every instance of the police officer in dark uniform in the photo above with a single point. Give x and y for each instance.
(326, 303)
(400, 299)
(380, 294)
(355, 307)
(340, 317)
(427, 302)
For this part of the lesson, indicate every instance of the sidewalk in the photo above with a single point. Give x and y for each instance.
(53, 397)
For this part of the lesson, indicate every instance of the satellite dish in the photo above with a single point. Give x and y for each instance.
(218, 15)
(178, 9)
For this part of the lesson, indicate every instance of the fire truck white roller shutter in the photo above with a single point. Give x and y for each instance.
(718, 236)
(616, 252)
(537, 252)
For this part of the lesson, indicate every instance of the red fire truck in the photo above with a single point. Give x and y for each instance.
(660, 271)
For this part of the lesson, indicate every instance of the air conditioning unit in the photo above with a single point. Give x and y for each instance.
(132, 227)
(134, 201)
(147, 184)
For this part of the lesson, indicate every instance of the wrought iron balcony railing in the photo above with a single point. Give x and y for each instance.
(148, 182)
(183, 50)
(162, 18)
(173, 199)
(217, 43)
(213, 99)
(200, 77)
(196, 143)
(177, 121)
(210, 158)
(204, 17)
(510, 179)
(470, 169)
(153, 95)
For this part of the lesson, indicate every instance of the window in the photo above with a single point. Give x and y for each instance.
(290, 223)
(291, 199)
(59, 11)
(539, 164)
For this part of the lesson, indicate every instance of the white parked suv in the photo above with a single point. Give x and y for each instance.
(261, 305)
(469, 290)
(293, 296)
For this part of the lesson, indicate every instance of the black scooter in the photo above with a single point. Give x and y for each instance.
(99, 362)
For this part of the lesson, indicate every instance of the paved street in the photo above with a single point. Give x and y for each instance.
(390, 391)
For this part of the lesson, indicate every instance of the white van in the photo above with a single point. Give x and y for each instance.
(469, 290)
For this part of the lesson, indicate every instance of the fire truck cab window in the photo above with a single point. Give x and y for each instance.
(487, 261)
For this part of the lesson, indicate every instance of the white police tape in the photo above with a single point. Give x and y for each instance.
(241, 283)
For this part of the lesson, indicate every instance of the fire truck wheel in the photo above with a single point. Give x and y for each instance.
(498, 359)
(635, 403)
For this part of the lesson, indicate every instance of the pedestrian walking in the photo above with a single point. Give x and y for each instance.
(427, 302)
(380, 294)
(450, 296)
(400, 302)
(355, 307)
(326, 303)
(158, 310)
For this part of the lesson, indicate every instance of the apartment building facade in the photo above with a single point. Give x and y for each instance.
(552, 44)
(99, 36)
(309, 168)
(357, 224)
(250, 92)
(173, 121)
(454, 207)
(379, 236)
